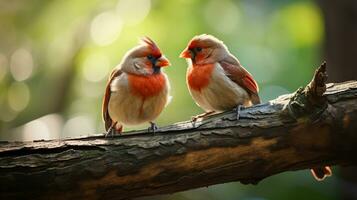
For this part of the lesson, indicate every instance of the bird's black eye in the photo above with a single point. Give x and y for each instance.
(198, 49)
(150, 57)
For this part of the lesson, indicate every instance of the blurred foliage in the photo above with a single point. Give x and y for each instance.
(55, 57)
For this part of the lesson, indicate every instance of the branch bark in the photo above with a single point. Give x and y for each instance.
(303, 130)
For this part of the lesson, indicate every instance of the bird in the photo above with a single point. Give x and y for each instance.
(137, 90)
(218, 82)
(215, 78)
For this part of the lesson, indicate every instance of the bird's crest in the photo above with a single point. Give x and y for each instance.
(152, 45)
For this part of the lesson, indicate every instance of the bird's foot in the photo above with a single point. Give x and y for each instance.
(110, 131)
(238, 109)
(153, 128)
(195, 118)
(113, 130)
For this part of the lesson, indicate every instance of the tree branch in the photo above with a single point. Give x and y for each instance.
(297, 131)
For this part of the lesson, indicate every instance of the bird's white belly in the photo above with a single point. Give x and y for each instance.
(221, 93)
(129, 109)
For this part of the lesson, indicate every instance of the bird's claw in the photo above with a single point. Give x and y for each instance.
(193, 121)
(238, 109)
(112, 131)
(153, 128)
(195, 118)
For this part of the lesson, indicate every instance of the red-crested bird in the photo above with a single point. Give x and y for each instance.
(218, 82)
(137, 90)
(215, 78)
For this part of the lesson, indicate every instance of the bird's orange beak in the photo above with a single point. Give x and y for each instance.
(162, 62)
(185, 53)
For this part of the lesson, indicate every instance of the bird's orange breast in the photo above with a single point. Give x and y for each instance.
(146, 86)
(198, 77)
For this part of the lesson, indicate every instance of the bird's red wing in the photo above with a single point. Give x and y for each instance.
(250, 84)
(105, 113)
(240, 75)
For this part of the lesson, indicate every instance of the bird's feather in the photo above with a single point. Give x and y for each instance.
(105, 113)
(199, 77)
(238, 74)
(155, 51)
(147, 86)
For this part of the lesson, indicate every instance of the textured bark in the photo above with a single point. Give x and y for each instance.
(303, 130)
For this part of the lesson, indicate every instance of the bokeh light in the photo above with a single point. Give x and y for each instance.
(36, 128)
(3, 66)
(44, 128)
(7, 114)
(229, 15)
(21, 65)
(18, 96)
(133, 11)
(303, 22)
(106, 28)
(95, 67)
(78, 125)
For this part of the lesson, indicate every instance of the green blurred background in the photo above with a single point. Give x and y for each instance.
(55, 57)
